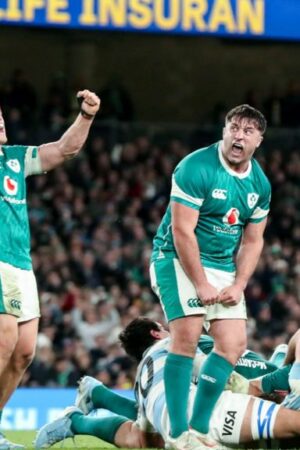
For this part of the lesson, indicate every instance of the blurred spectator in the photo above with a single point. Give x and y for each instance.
(291, 105)
(273, 107)
(252, 98)
(21, 96)
(116, 102)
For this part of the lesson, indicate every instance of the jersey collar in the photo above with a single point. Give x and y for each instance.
(228, 169)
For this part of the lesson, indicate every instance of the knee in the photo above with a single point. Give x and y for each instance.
(21, 359)
(185, 345)
(237, 352)
(238, 347)
(8, 339)
(233, 351)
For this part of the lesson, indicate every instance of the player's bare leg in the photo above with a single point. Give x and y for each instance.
(286, 425)
(8, 345)
(20, 359)
(8, 339)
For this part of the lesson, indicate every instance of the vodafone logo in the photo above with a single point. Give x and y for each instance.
(10, 185)
(231, 217)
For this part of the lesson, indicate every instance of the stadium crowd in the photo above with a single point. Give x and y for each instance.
(92, 224)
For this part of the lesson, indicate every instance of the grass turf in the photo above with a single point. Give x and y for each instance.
(82, 442)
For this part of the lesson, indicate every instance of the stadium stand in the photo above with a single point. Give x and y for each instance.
(92, 224)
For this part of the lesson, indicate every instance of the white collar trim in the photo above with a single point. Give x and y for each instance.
(228, 169)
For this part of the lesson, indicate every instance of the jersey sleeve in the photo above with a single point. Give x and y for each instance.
(33, 164)
(262, 207)
(188, 184)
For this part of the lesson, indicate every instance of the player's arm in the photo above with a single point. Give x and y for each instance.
(55, 153)
(249, 252)
(247, 259)
(293, 351)
(184, 222)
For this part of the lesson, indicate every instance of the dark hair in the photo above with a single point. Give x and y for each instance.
(136, 337)
(248, 112)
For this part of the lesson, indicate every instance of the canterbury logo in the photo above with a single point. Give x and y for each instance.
(16, 304)
(220, 194)
(194, 302)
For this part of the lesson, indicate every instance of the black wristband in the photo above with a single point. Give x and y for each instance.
(86, 115)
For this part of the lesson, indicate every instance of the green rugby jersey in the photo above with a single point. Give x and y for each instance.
(250, 364)
(16, 162)
(226, 200)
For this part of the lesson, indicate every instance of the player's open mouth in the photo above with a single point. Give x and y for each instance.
(237, 149)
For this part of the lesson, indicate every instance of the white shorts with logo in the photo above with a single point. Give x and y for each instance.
(18, 293)
(228, 415)
(227, 418)
(178, 296)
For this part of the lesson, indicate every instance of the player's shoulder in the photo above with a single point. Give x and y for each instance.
(158, 348)
(15, 150)
(205, 158)
(203, 155)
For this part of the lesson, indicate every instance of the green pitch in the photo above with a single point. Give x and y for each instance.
(82, 442)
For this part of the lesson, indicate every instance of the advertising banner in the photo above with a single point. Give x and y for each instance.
(267, 19)
(31, 408)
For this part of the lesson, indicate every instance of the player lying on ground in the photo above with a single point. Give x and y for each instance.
(250, 365)
(237, 418)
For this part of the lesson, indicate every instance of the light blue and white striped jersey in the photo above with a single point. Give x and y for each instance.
(153, 416)
(292, 401)
(149, 387)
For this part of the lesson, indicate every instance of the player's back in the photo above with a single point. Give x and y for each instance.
(149, 386)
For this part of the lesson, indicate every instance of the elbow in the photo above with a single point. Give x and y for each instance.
(70, 151)
(181, 234)
(256, 243)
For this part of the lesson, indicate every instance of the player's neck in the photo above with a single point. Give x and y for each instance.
(238, 168)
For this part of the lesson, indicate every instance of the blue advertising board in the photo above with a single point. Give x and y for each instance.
(29, 409)
(268, 19)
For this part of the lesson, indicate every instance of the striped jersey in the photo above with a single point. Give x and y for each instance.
(16, 162)
(226, 200)
(149, 387)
